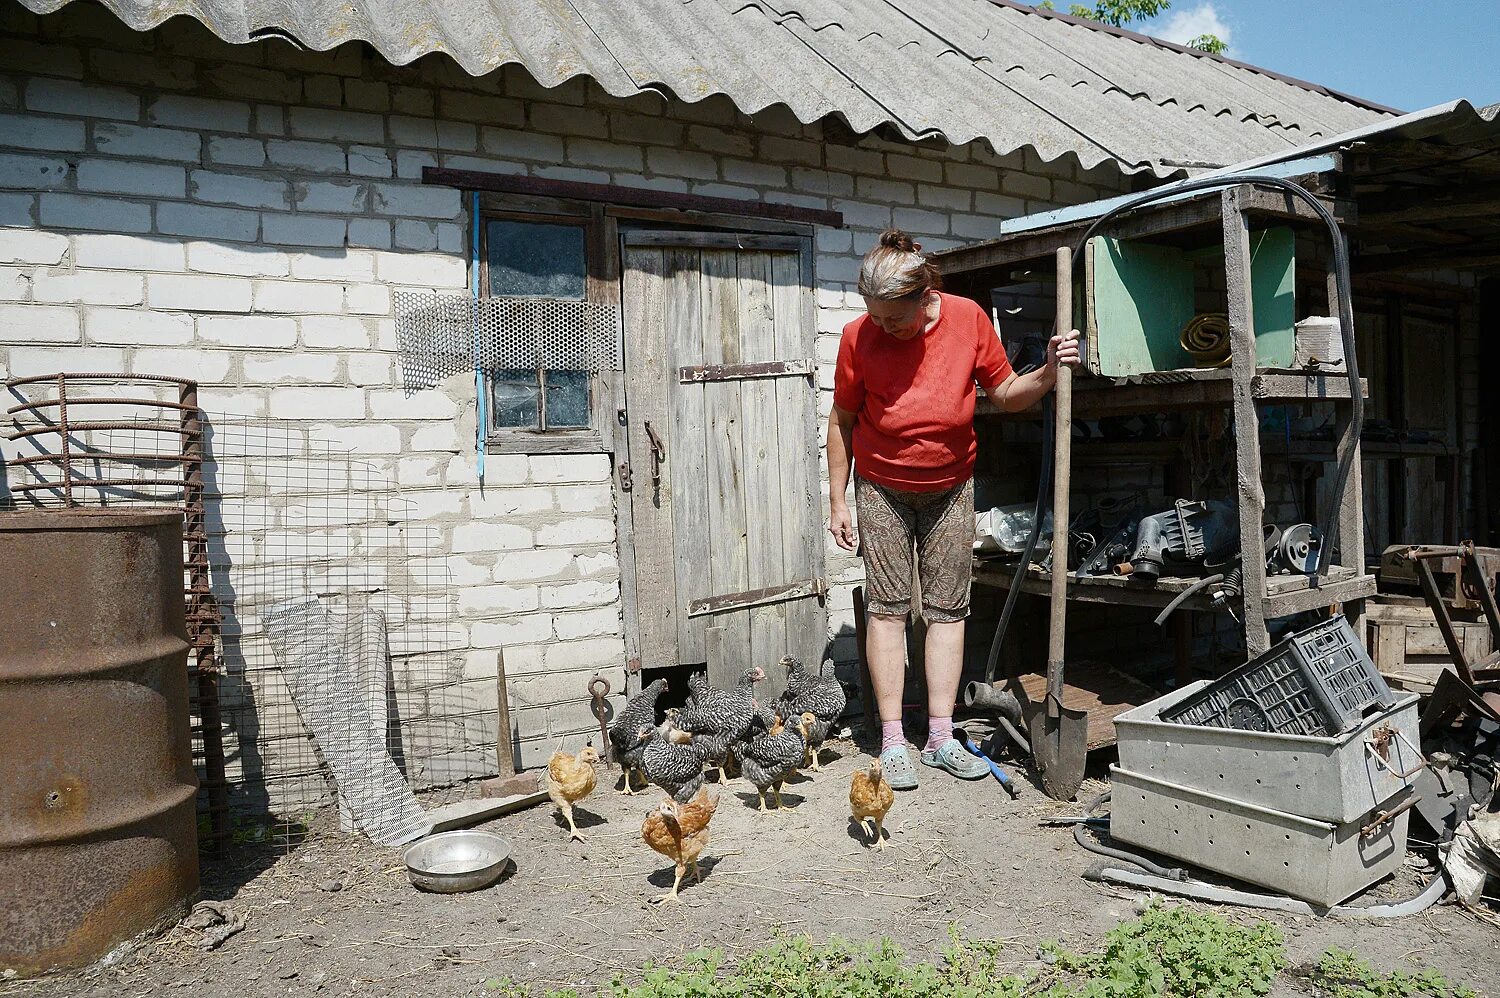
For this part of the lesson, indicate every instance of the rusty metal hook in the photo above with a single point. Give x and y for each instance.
(600, 708)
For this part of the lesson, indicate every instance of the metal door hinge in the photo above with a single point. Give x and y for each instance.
(625, 484)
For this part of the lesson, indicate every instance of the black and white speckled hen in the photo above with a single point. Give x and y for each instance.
(625, 735)
(821, 696)
(719, 719)
(772, 757)
(671, 760)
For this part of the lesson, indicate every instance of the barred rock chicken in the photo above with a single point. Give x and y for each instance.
(671, 760)
(718, 719)
(570, 778)
(680, 832)
(870, 797)
(625, 744)
(771, 758)
(821, 696)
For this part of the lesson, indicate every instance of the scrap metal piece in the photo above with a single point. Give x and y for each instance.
(319, 671)
(600, 709)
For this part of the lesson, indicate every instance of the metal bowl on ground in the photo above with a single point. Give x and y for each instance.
(457, 861)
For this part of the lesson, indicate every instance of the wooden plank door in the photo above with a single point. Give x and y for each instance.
(721, 411)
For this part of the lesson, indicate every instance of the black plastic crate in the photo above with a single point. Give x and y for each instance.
(1318, 682)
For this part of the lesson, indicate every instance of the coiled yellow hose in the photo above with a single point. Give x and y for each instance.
(1206, 337)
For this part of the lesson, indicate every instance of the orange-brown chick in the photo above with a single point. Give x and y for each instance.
(680, 832)
(870, 797)
(570, 778)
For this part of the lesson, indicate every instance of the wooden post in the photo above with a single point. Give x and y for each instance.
(1251, 494)
(1351, 514)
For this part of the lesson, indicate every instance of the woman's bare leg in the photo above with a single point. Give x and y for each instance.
(885, 647)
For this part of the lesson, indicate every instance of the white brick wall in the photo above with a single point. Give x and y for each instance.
(246, 229)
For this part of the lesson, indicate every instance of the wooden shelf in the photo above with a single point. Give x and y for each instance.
(1192, 388)
(1286, 594)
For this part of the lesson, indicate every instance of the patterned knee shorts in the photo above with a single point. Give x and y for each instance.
(939, 525)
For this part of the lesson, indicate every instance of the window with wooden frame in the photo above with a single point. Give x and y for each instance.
(552, 254)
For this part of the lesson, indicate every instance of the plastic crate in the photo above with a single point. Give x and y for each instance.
(1316, 682)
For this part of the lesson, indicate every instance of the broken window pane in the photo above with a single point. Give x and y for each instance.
(535, 259)
(517, 397)
(567, 399)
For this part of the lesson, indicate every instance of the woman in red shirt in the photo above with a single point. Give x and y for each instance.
(903, 410)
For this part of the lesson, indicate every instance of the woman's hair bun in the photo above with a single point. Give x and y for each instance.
(896, 239)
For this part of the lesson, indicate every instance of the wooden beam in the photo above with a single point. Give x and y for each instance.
(1477, 256)
(636, 197)
(1432, 204)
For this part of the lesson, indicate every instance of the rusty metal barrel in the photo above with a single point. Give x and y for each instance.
(98, 835)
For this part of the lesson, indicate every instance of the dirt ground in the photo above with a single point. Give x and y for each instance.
(337, 916)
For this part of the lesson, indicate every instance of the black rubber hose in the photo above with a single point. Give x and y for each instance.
(1170, 608)
(1140, 862)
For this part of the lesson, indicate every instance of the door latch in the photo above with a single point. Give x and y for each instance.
(658, 456)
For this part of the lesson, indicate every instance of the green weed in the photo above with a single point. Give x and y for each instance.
(1342, 974)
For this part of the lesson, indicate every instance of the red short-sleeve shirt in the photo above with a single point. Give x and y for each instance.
(913, 400)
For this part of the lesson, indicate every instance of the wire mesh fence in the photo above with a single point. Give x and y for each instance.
(294, 528)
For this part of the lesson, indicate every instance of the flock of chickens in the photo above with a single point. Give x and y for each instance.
(715, 729)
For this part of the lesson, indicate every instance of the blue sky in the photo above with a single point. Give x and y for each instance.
(1409, 54)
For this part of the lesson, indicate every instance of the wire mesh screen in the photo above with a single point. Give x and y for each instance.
(341, 660)
(444, 335)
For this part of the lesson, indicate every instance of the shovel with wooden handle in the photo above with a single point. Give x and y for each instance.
(1059, 736)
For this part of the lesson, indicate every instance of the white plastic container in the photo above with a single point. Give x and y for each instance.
(1318, 343)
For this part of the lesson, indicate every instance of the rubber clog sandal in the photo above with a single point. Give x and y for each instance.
(951, 757)
(895, 763)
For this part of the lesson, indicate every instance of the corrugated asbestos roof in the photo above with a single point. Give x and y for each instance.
(951, 69)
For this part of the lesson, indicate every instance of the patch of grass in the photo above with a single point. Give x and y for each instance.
(1342, 974)
(1169, 952)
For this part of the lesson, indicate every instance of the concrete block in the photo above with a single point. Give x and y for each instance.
(18, 209)
(977, 177)
(371, 371)
(598, 563)
(997, 204)
(600, 622)
(318, 403)
(38, 324)
(131, 326)
(1026, 185)
(330, 196)
(344, 126)
(298, 296)
(782, 150)
(270, 120)
(26, 361)
(252, 81)
(145, 142)
(396, 404)
(510, 786)
(123, 177)
(318, 157)
(854, 160)
(912, 168)
(468, 571)
(248, 330)
(497, 599)
(235, 151)
(15, 284)
(371, 233)
(303, 230)
(204, 366)
(530, 629)
(199, 112)
(335, 332)
(363, 438)
(32, 173)
(77, 211)
(892, 191)
(570, 468)
(609, 155)
(457, 136)
(240, 189)
(574, 174)
(409, 131)
(862, 215)
(323, 89)
(576, 532)
(423, 270)
(576, 595)
(314, 368)
(212, 223)
(88, 287)
(368, 299)
(413, 100)
(196, 293)
(682, 163)
(511, 502)
(586, 499)
(370, 161)
(717, 140)
(592, 653)
(415, 235)
(411, 200)
(435, 437)
(411, 162)
(490, 537)
(531, 565)
(32, 246)
(467, 106)
(920, 221)
(239, 261)
(137, 253)
(944, 198)
(74, 98)
(566, 120)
